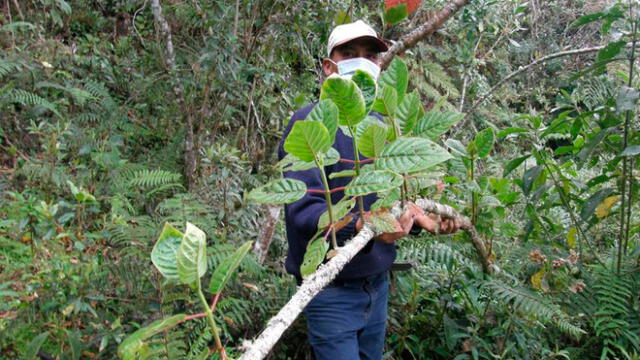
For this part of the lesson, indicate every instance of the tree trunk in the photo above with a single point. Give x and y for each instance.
(190, 159)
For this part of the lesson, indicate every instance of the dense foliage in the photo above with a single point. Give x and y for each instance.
(92, 166)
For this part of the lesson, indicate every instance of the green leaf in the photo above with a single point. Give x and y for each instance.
(435, 123)
(34, 345)
(590, 205)
(631, 151)
(409, 155)
(343, 173)
(192, 262)
(593, 143)
(133, 344)
(316, 251)
(292, 163)
(529, 178)
(307, 139)
(373, 182)
(394, 15)
(281, 191)
(457, 147)
(611, 50)
(511, 130)
(372, 140)
(165, 252)
(513, 164)
(367, 86)
(326, 112)
(609, 16)
(484, 141)
(407, 113)
(387, 102)
(347, 97)
(382, 222)
(396, 76)
(339, 211)
(227, 267)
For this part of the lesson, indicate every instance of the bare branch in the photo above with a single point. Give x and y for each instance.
(312, 285)
(411, 39)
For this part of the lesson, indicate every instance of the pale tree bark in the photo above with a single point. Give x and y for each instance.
(190, 159)
(411, 39)
(313, 284)
(261, 247)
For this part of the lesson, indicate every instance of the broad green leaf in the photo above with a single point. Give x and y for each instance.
(339, 211)
(367, 86)
(456, 146)
(435, 123)
(281, 191)
(34, 345)
(590, 147)
(382, 222)
(347, 97)
(371, 142)
(292, 163)
(343, 173)
(609, 16)
(133, 344)
(387, 101)
(368, 121)
(326, 112)
(386, 199)
(373, 182)
(396, 76)
(529, 178)
(410, 155)
(307, 139)
(484, 141)
(513, 164)
(407, 113)
(590, 205)
(227, 267)
(165, 252)
(192, 262)
(394, 15)
(611, 50)
(511, 130)
(316, 251)
(632, 150)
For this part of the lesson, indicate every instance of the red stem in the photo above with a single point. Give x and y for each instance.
(214, 303)
(363, 161)
(316, 191)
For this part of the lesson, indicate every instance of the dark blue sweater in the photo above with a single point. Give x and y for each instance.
(302, 216)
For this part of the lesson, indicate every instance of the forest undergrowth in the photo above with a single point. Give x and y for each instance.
(535, 101)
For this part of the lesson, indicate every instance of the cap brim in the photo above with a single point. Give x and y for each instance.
(380, 45)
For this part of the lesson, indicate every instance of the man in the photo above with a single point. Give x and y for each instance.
(347, 319)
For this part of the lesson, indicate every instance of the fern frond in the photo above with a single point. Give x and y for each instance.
(8, 67)
(146, 179)
(28, 98)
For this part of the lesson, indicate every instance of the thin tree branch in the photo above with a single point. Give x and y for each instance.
(411, 39)
(313, 284)
(521, 70)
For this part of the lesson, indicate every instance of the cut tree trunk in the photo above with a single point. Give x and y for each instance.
(313, 284)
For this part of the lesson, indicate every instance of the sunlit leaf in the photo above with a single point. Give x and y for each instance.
(435, 123)
(224, 271)
(326, 112)
(409, 155)
(367, 86)
(604, 208)
(281, 191)
(396, 76)
(347, 97)
(387, 101)
(307, 139)
(631, 151)
(456, 146)
(192, 262)
(373, 182)
(538, 280)
(590, 205)
(408, 111)
(396, 14)
(165, 252)
(372, 140)
(571, 237)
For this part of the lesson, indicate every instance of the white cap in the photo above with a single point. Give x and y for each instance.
(342, 34)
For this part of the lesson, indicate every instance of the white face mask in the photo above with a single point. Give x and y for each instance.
(346, 68)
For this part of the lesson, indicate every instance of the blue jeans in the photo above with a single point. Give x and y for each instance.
(348, 321)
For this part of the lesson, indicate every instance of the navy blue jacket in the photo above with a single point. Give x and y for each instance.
(302, 216)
